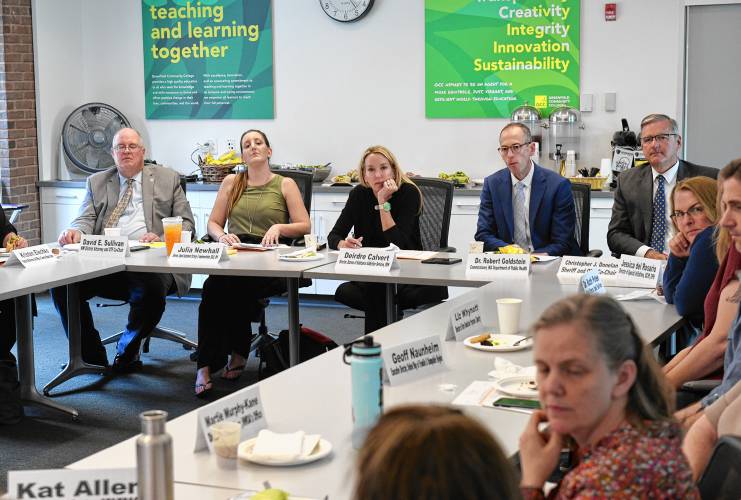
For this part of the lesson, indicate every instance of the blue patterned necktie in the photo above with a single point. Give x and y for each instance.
(658, 223)
(520, 217)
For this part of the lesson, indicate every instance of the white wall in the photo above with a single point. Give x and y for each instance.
(340, 88)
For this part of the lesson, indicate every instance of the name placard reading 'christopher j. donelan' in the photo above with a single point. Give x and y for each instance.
(413, 360)
(365, 260)
(498, 265)
(198, 253)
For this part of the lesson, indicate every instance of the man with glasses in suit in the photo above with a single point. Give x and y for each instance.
(526, 204)
(640, 213)
(134, 197)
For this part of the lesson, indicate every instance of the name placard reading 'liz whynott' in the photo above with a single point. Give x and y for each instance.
(414, 360)
(104, 247)
(244, 406)
(365, 260)
(69, 484)
(488, 265)
(198, 253)
(31, 256)
(465, 321)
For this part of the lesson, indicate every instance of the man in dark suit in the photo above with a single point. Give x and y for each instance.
(640, 213)
(525, 204)
(134, 197)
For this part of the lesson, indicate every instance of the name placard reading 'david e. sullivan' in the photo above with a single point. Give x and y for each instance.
(365, 260)
(244, 406)
(487, 265)
(198, 253)
(414, 360)
(71, 484)
(104, 247)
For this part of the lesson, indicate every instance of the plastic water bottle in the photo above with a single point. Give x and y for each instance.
(154, 458)
(570, 163)
(367, 386)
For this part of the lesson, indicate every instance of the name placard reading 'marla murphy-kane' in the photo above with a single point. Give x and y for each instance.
(31, 256)
(244, 406)
(498, 265)
(69, 484)
(413, 360)
(465, 321)
(198, 253)
(104, 247)
(365, 260)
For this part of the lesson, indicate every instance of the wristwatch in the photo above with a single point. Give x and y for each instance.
(386, 207)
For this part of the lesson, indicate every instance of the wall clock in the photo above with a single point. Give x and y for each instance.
(346, 11)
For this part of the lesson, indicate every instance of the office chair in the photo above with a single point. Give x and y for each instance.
(159, 332)
(582, 201)
(722, 476)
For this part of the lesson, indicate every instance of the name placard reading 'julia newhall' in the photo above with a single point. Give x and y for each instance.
(198, 253)
(244, 407)
(492, 266)
(414, 360)
(104, 247)
(69, 484)
(365, 260)
(465, 320)
(31, 256)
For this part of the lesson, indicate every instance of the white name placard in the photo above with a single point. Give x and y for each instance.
(365, 260)
(104, 247)
(414, 360)
(31, 256)
(571, 269)
(591, 284)
(71, 484)
(608, 269)
(244, 406)
(492, 266)
(638, 272)
(200, 253)
(465, 321)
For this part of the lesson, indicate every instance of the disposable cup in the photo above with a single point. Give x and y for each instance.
(476, 247)
(185, 236)
(173, 227)
(310, 240)
(112, 231)
(225, 438)
(508, 311)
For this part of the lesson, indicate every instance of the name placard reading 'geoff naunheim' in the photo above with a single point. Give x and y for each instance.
(414, 360)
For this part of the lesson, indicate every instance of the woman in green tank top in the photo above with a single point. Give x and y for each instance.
(260, 207)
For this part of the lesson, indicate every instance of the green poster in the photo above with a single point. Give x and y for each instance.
(484, 58)
(208, 59)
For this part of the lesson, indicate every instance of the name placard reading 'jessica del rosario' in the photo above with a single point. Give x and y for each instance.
(197, 253)
(66, 484)
(414, 360)
(365, 260)
(487, 265)
(104, 247)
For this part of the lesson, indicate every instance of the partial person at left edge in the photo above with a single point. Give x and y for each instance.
(133, 196)
(11, 409)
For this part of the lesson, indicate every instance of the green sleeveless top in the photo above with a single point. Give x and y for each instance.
(258, 208)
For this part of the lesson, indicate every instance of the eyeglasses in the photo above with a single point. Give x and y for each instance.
(693, 211)
(130, 147)
(660, 138)
(515, 148)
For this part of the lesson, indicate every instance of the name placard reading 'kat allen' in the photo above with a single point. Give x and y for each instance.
(71, 484)
(414, 360)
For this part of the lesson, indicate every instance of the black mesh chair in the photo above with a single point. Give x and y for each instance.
(582, 201)
(437, 204)
(722, 476)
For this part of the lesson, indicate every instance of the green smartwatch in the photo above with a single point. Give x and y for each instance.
(386, 207)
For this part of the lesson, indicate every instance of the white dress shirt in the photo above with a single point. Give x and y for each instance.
(670, 180)
(132, 222)
(528, 182)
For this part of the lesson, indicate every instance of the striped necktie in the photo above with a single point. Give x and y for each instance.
(521, 238)
(658, 222)
(123, 202)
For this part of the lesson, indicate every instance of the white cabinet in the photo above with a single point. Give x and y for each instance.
(59, 206)
(600, 211)
(326, 209)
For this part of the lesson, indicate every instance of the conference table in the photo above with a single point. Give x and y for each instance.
(315, 396)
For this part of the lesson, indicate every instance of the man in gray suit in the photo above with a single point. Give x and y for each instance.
(640, 214)
(134, 197)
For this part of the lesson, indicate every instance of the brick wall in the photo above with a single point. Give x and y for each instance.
(19, 164)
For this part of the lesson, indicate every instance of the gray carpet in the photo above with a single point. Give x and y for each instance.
(109, 406)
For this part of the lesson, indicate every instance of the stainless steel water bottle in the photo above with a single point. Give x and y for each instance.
(367, 386)
(154, 458)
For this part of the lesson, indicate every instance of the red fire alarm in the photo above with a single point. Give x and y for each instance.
(610, 11)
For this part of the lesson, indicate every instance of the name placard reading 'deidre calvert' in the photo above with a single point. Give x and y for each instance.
(487, 265)
(365, 260)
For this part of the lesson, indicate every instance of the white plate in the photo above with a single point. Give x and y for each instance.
(517, 385)
(505, 346)
(244, 452)
(286, 258)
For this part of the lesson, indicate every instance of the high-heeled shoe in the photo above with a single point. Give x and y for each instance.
(202, 390)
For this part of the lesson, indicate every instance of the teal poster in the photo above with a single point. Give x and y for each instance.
(484, 58)
(208, 59)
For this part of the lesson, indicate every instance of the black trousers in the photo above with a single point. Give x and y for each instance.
(11, 409)
(145, 293)
(228, 305)
(371, 299)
